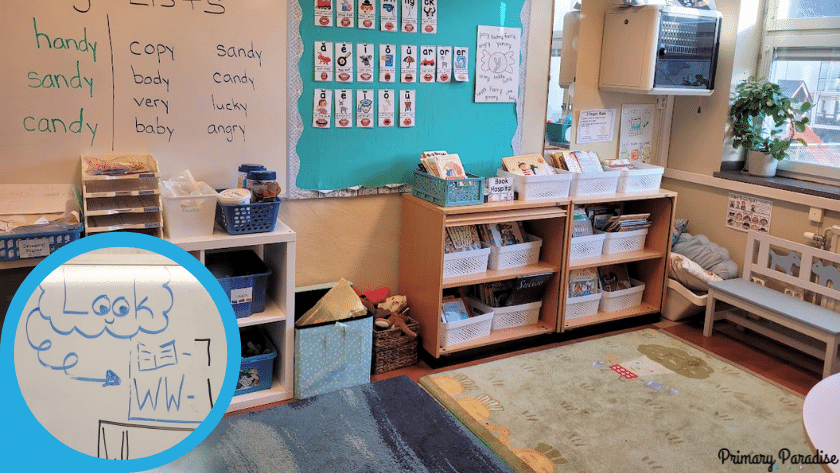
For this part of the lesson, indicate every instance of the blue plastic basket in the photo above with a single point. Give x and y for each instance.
(11, 245)
(244, 277)
(448, 192)
(255, 372)
(249, 218)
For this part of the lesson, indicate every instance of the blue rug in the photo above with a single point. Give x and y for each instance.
(388, 426)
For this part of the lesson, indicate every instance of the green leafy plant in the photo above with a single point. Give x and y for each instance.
(760, 115)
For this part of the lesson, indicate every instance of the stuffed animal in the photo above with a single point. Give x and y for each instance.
(390, 312)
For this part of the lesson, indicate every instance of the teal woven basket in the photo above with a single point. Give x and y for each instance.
(448, 192)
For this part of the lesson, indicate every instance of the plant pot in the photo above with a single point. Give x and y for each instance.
(761, 164)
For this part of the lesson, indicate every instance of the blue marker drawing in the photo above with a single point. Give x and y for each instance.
(164, 355)
(111, 379)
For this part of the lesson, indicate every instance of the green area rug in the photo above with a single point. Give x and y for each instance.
(636, 402)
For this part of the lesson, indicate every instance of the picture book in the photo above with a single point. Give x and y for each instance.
(628, 222)
(495, 293)
(512, 233)
(581, 225)
(588, 161)
(583, 282)
(614, 164)
(558, 161)
(527, 165)
(568, 160)
(528, 289)
(464, 237)
(614, 277)
(454, 309)
(450, 167)
(448, 245)
(428, 159)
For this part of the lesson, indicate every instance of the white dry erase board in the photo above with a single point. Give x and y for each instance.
(200, 84)
(120, 361)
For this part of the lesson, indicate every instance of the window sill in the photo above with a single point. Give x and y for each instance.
(783, 183)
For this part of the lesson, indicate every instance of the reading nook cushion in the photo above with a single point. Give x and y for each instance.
(689, 273)
(708, 255)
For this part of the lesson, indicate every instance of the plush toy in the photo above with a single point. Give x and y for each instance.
(390, 312)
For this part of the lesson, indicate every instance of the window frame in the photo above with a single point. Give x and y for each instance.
(793, 33)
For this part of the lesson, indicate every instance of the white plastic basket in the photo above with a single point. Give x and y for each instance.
(192, 215)
(612, 301)
(465, 330)
(555, 186)
(462, 263)
(619, 242)
(645, 178)
(513, 256)
(582, 306)
(594, 183)
(588, 246)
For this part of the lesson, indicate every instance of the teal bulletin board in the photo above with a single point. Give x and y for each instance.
(447, 118)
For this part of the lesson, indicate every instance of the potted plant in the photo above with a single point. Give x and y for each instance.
(764, 120)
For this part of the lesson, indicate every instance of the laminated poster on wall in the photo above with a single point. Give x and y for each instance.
(388, 15)
(364, 108)
(344, 62)
(595, 126)
(461, 64)
(322, 113)
(749, 213)
(344, 108)
(444, 63)
(323, 13)
(409, 16)
(635, 132)
(428, 18)
(428, 54)
(345, 14)
(387, 65)
(367, 14)
(407, 104)
(497, 64)
(323, 61)
(386, 108)
(408, 64)
(364, 62)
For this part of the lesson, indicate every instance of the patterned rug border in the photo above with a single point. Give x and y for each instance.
(502, 450)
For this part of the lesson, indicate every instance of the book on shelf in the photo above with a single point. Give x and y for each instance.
(600, 214)
(528, 289)
(454, 309)
(587, 160)
(627, 222)
(428, 160)
(494, 293)
(583, 282)
(527, 165)
(463, 238)
(617, 164)
(581, 225)
(449, 167)
(502, 234)
(614, 277)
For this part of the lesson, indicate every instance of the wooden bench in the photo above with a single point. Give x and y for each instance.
(773, 266)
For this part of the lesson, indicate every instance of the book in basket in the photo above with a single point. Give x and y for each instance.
(614, 277)
(527, 165)
(583, 282)
(528, 289)
(462, 238)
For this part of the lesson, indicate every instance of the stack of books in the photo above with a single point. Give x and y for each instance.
(502, 234)
(511, 292)
(461, 238)
(588, 161)
(442, 165)
(627, 223)
(528, 165)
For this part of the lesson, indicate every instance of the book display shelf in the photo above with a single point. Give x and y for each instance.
(277, 250)
(423, 278)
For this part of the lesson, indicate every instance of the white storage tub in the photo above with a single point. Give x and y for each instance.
(681, 302)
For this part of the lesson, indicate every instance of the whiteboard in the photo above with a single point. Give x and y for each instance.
(201, 85)
(120, 361)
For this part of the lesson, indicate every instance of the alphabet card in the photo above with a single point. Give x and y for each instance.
(407, 108)
(408, 68)
(345, 15)
(386, 107)
(444, 63)
(428, 17)
(323, 13)
(322, 113)
(461, 64)
(364, 62)
(364, 108)
(387, 67)
(367, 14)
(344, 108)
(388, 15)
(323, 61)
(409, 16)
(427, 64)
(344, 62)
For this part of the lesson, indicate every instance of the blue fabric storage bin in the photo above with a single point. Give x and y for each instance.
(255, 372)
(333, 356)
(448, 192)
(244, 277)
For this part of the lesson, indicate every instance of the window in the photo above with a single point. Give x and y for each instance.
(801, 52)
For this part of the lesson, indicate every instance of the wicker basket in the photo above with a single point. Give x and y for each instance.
(393, 349)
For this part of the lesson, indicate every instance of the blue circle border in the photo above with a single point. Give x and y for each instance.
(21, 432)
